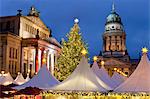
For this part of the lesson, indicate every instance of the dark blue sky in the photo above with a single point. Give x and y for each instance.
(59, 16)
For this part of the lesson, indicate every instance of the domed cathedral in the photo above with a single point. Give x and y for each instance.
(114, 52)
(114, 37)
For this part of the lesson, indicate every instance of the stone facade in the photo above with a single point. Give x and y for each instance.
(26, 44)
(10, 46)
(114, 52)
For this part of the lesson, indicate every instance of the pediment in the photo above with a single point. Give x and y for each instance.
(37, 21)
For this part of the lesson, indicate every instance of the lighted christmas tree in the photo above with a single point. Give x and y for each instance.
(71, 53)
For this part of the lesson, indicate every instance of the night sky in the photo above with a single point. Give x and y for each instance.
(59, 16)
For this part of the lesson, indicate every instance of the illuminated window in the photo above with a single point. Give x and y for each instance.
(117, 47)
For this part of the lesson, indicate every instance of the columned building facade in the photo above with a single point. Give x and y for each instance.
(26, 44)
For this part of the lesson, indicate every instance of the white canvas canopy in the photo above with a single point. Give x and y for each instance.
(19, 79)
(27, 78)
(42, 80)
(82, 79)
(118, 79)
(6, 79)
(1, 78)
(103, 75)
(139, 81)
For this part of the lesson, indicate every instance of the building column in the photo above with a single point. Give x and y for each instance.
(42, 56)
(52, 63)
(39, 59)
(36, 59)
(47, 59)
(22, 60)
(109, 49)
(27, 61)
(55, 59)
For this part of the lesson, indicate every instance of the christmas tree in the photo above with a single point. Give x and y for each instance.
(71, 53)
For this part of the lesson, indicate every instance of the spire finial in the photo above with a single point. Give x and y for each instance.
(113, 6)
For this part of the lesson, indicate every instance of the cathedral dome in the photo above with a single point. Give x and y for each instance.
(113, 22)
(113, 17)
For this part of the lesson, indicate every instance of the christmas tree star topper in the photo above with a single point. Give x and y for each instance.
(144, 50)
(84, 52)
(76, 20)
(95, 58)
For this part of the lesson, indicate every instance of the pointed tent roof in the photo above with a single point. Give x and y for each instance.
(7, 79)
(20, 79)
(42, 80)
(1, 78)
(102, 74)
(118, 79)
(27, 78)
(82, 79)
(139, 81)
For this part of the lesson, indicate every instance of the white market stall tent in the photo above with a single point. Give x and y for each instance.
(118, 79)
(44, 79)
(1, 78)
(20, 79)
(6, 79)
(27, 78)
(139, 81)
(82, 79)
(103, 75)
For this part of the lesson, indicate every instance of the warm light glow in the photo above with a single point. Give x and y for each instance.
(18, 73)
(144, 50)
(44, 60)
(119, 71)
(44, 51)
(7, 83)
(84, 52)
(102, 63)
(28, 74)
(2, 72)
(95, 58)
(28, 70)
(115, 69)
